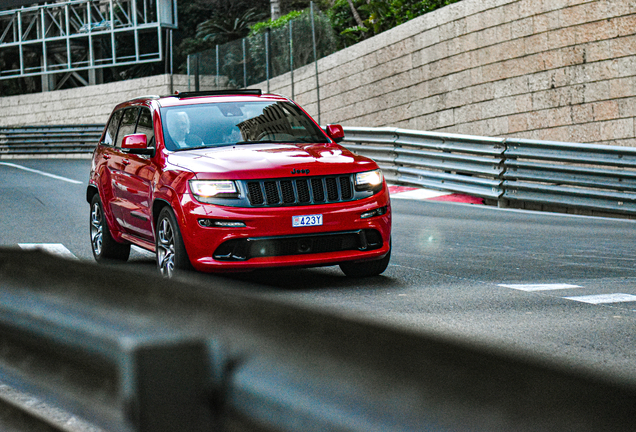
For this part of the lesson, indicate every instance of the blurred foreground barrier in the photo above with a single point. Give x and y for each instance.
(130, 352)
(523, 173)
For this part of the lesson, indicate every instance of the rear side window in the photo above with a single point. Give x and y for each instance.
(128, 123)
(111, 131)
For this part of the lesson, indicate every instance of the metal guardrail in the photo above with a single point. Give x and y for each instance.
(48, 140)
(131, 352)
(508, 171)
(458, 163)
(511, 171)
(571, 175)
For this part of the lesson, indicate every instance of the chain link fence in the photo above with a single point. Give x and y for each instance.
(258, 58)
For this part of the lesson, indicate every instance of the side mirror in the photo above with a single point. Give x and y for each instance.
(137, 144)
(335, 132)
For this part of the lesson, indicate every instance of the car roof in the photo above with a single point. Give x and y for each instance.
(168, 101)
(203, 97)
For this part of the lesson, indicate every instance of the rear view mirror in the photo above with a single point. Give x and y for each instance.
(335, 132)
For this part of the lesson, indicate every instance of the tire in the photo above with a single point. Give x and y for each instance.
(366, 268)
(104, 247)
(172, 257)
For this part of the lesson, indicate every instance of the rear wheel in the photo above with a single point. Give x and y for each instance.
(104, 247)
(172, 257)
(366, 268)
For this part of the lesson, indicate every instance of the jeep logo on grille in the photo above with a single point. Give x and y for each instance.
(302, 171)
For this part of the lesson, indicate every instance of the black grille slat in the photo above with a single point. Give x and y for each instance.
(346, 191)
(317, 189)
(303, 191)
(271, 192)
(300, 191)
(287, 190)
(255, 193)
(332, 189)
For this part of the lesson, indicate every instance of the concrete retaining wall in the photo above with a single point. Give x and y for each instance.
(85, 105)
(559, 70)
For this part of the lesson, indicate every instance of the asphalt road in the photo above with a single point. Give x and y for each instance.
(538, 284)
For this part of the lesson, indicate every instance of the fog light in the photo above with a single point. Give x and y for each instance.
(208, 223)
(373, 213)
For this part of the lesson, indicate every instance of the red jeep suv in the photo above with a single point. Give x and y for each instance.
(234, 181)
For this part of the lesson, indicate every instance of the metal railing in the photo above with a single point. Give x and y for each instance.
(260, 57)
(508, 171)
(458, 163)
(570, 175)
(131, 352)
(48, 140)
(77, 35)
(597, 178)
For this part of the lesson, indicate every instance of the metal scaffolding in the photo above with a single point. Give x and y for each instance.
(83, 35)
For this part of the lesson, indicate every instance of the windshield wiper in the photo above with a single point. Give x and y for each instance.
(295, 141)
(258, 142)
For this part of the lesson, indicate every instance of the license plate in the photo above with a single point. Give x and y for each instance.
(307, 220)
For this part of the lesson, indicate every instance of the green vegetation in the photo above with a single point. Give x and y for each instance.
(206, 23)
(375, 16)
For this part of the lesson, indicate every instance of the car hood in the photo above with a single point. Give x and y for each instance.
(251, 161)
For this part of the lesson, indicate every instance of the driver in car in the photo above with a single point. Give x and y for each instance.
(179, 129)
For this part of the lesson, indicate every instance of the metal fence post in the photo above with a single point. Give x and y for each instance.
(244, 65)
(216, 80)
(313, 35)
(188, 69)
(267, 57)
(501, 201)
(291, 58)
(197, 82)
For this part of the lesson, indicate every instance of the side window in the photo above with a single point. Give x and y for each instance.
(127, 126)
(144, 126)
(111, 131)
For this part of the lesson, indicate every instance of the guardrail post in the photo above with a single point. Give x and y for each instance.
(501, 201)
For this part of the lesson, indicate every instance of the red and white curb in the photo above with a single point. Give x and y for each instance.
(405, 192)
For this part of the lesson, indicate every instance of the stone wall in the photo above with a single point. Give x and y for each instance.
(85, 105)
(559, 70)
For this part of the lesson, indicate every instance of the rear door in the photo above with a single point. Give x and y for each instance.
(102, 164)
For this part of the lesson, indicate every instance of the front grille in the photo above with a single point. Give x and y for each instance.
(245, 249)
(300, 191)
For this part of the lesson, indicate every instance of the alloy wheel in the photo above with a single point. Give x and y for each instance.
(97, 228)
(165, 248)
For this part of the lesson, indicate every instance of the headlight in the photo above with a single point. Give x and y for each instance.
(369, 180)
(204, 190)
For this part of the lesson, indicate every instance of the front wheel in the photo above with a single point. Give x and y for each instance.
(104, 247)
(366, 268)
(172, 257)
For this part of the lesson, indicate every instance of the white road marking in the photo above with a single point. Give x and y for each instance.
(41, 172)
(51, 248)
(539, 287)
(143, 251)
(604, 298)
(418, 194)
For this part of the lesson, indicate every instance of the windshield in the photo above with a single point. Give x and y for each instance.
(231, 123)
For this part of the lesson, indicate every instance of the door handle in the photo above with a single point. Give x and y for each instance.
(106, 156)
(126, 162)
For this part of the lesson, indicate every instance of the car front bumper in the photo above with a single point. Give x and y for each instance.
(268, 238)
